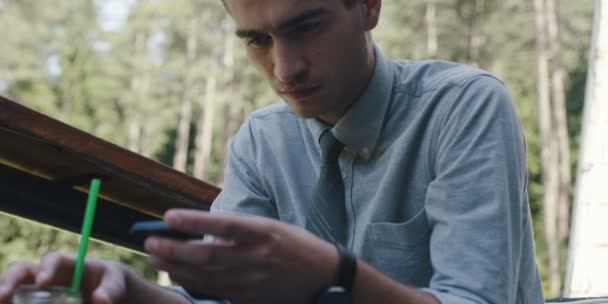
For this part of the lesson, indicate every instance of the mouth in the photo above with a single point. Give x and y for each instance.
(299, 93)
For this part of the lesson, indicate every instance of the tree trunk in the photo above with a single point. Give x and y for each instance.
(183, 131)
(471, 13)
(561, 124)
(548, 156)
(232, 119)
(140, 115)
(204, 134)
(133, 133)
(229, 110)
(138, 90)
(431, 26)
(476, 35)
(180, 158)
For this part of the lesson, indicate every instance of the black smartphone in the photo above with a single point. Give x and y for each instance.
(141, 230)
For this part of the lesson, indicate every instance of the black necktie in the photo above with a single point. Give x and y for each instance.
(327, 213)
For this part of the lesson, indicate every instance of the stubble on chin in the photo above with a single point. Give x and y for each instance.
(300, 111)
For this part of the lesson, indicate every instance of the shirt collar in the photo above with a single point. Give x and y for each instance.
(359, 128)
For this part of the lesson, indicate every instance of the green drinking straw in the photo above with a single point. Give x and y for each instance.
(87, 224)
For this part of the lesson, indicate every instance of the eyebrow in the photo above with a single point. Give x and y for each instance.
(291, 22)
(247, 33)
(303, 17)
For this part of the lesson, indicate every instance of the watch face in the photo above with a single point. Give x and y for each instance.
(335, 295)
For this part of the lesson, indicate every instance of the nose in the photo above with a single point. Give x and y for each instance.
(289, 64)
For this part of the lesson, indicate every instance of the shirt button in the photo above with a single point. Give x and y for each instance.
(365, 152)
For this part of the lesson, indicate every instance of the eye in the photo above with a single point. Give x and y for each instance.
(258, 41)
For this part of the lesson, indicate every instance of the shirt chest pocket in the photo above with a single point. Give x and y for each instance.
(400, 250)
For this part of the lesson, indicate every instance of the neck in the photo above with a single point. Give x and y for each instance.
(332, 118)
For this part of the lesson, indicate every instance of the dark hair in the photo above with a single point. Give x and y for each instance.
(347, 3)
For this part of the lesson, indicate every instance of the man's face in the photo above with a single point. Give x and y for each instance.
(316, 54)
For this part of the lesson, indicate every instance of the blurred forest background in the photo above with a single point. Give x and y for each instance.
(172, 83)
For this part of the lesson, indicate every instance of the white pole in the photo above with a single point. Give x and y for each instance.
(587, 271)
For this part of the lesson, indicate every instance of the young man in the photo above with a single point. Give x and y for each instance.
(421, 169)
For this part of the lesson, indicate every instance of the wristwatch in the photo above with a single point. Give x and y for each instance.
(340, 290)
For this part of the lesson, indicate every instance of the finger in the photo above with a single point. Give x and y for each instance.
(55, 269)
(245, 274)
(16, 274)
(111, 288)
(232, 227)
(161, 264)
(180, 273)
(199, 254)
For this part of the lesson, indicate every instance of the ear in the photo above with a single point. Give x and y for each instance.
(372, 11)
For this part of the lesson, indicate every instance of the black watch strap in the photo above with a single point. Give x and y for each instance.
(347, 268)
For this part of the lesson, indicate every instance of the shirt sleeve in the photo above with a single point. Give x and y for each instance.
(477, 203)
(243, 192)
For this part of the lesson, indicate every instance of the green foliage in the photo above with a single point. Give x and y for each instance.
(22, 239)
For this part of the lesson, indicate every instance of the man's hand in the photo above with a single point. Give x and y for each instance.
(256, 260)
(104, 282)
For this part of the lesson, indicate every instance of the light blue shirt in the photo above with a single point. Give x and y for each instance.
(435, 179)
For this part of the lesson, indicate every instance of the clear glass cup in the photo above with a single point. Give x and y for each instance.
(30, 294)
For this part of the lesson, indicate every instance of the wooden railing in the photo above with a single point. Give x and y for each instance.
(45, 165)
